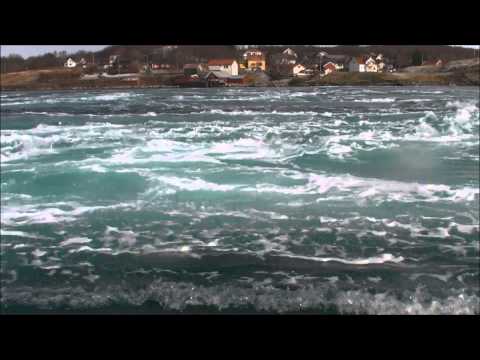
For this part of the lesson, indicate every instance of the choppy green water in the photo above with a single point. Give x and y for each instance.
(328, 200)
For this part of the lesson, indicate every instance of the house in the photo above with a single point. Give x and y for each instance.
(256, 63)
(356, 64)
(371, 65)
(70, 63)
(298, 68)
(252, 52)
(222, 78)
(113, 59)
(306, 72)
(283, 59)
(254, 60)
(329, 67)
(340, 61)
(229, 66)
(290, 52)
(160, 66)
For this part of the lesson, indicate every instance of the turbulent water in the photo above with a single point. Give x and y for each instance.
(316, 200)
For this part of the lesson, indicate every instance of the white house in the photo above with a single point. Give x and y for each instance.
(371, 65)
(297, 69)
(252, 53)
(356, 64)
(290, 52)
(70, 63)
(229, 66)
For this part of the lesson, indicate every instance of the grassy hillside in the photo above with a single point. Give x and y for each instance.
(60, 78)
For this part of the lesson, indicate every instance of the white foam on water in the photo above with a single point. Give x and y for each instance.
(75, 240)
(31, 214)
(193, 184)
(47, 113)
(465, 229)
(185, 248)
(384, 258)
(110, 97)
(376, 100)
(90, 249)
(94, 168)
(20, 246)
(19, 234)
(254, 113)
(91, 278)
(23, 146)
(38, 253)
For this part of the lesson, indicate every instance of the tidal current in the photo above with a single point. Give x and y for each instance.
(330, 200)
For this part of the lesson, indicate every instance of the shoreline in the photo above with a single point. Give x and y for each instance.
(65, 80)
(142, 87)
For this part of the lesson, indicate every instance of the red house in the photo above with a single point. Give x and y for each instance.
(329, 67)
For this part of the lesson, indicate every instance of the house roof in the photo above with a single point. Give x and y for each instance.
(218, 74)
(191, 66)
(246, 53)
(216, 62)
(329, 65)
(256, 58)
(289, 52)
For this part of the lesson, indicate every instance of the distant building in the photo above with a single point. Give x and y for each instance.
(229, 66)
(306, 72)
(290, 52)
(357, 64)
(340, 61)
(371, 65)
(113, 60)
(222, 78)
(252, 52)
(254, 60)
(70, 63)
(83, 63)
(160, 66)
(283, 59)
(298, 68)
(329, 67)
